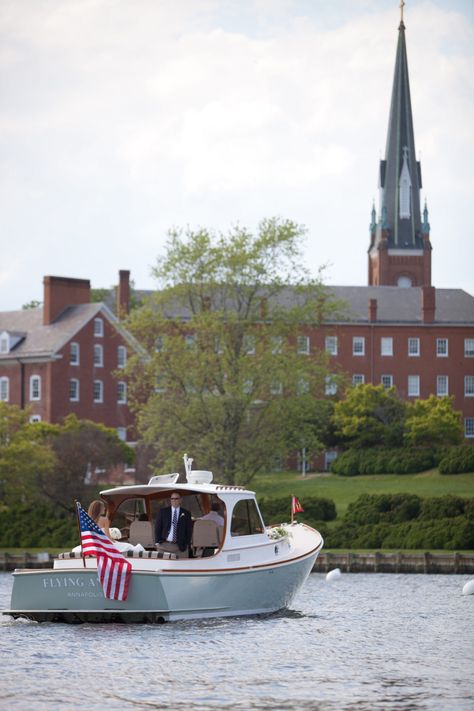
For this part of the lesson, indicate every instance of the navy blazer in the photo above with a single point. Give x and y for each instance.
(185, 527)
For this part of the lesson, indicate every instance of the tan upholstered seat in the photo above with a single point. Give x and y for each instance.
(142, 532)
(205, 535)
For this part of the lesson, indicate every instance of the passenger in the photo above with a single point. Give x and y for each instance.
(214, 515)
(96, 511)
(173, 528)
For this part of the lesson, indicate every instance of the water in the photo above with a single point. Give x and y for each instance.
(400, 642)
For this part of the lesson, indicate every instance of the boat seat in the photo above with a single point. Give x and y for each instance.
(142, 532)
(206, 535)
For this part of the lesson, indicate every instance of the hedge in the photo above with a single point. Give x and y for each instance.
(458, 460)
(23, 527)
(354, 462)
(278, 510)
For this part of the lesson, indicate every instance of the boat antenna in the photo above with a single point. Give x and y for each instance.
(188, 465)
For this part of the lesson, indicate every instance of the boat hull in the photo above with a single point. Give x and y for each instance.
(75, 595)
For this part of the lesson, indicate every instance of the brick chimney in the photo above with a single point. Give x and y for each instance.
(372, 310)
(428, 304)
(123, 294)
(61, 292)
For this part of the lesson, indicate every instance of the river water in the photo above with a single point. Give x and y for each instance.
(363, 641)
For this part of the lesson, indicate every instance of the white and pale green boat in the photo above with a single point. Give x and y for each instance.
(239, 568)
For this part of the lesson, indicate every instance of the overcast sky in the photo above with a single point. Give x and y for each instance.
(120, 119)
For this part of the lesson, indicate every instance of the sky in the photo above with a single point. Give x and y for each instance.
(122, 119)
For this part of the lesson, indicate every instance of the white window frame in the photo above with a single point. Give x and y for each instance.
(469, 386)
(386, 346)
(249, 345)
(35, 387)
(34, 419)
(413, 386)
(469, 347)
(74, 383)
(74, 353)
(277, 344)
(4, 343)
(99, 327)
(121, 356)
(413, 347)
(442, 385)
(122, 433)
(358, 379)
(330, 387)
(98, 355)
(247, 386)
(302, 386)
(390, 377)
(440, 349)
(303, 345)
(276, 387)
(5, 389)
(358, 345)
(190, 340)
(330, 345)
(98, 391)
(122, 392)
(159, 342)
(469, 427)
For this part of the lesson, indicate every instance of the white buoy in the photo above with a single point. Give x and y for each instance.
(334, 574)
(468, 589)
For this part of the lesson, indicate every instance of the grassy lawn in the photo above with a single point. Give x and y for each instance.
(343, 490)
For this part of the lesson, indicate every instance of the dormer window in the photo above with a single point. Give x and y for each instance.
(4, 343)
(99, 327)
(9, 339)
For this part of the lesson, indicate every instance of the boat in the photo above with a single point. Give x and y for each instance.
(239, 568)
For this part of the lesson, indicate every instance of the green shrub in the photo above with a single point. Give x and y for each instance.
(457, 460)
(379, 508)
(22, 527)
(442, 507)
(384, 461)
(315, 509)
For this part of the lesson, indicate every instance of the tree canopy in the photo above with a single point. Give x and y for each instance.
(229, 371)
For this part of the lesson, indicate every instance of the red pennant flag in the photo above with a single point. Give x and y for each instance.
(296, 506)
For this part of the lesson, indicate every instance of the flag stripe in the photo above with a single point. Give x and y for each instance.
(113, 570)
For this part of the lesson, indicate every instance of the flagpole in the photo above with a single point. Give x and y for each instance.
(292, 510)
(79, 528)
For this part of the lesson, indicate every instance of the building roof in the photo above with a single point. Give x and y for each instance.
(44, 342)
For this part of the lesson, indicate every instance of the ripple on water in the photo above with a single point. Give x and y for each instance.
(367, 642)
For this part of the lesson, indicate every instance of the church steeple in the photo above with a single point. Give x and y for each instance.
(399, 231)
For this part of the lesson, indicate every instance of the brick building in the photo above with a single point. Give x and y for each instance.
(63, 358)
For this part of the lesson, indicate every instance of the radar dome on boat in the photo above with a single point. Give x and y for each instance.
(199, 476)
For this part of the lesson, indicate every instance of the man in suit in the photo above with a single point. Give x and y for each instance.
(173, 528)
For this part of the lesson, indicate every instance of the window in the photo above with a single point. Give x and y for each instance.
(358, 379)
(121, 357)
(98, 356)
(387, 381)
(4, 389)
(386, 346)
(302, 387)
(331, 345)
(331, 385)
(74, 354)
(35, 387)
(160, 386)
(329, 457)
(159, 344)
(469, 347)
(74, 390)
(98, 391)
(413, 347)
(218, 347)
(469, 427)
(122, 433)
(246, 519)
(413, 386)
(248, 386)
(98, 327)
(189, 341)
(276, 388)
(249, 345)
(277, 344)
(121, 392)
(302, 345)
(442, 347)
(442, 385)
(4, 343)
(358, 346)
(35, 418)
(469, 385)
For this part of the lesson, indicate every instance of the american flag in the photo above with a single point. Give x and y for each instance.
(113, 570)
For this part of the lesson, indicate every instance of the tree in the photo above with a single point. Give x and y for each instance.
(370, 416)
(223, 333)
(433, 422)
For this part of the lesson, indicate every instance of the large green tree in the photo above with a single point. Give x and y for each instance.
(228, 374)
(370, 416)
(433, 422)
